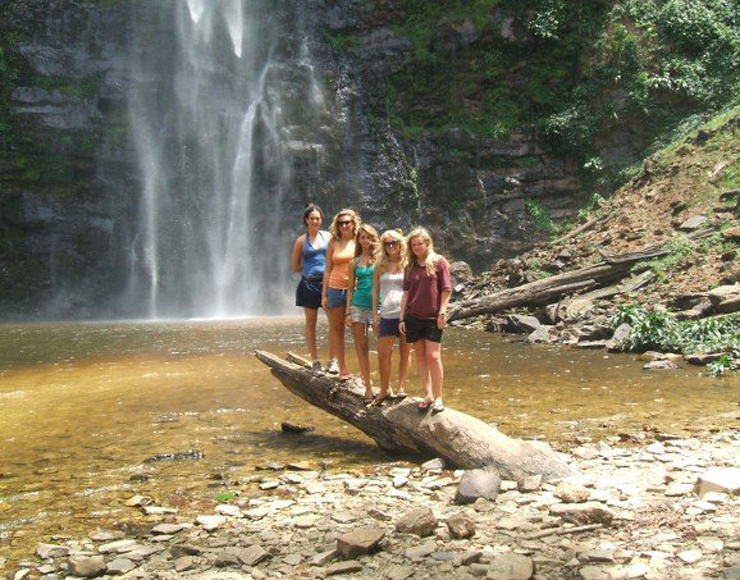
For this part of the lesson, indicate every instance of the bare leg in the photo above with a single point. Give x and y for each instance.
(362, 349)
(434, 363)
(403, 364)
(385, 354)
(423, 368)
(312, 315)
(336, 322)
(332, 350)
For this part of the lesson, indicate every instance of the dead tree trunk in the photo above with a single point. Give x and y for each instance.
(543, 291)
(460, 440)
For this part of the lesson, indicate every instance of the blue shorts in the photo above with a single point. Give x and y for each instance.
(389, 327)
(308, 293)
(335, 297)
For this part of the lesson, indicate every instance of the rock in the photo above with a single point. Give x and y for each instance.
(361, 541)
(433, 465)
(575, 307)
(518, 323)
(732, 573)
(460, 526)
(571, 492)
(347, 567)
(510, 567)
(422, 551)
(154, 510)
(693, 223)
(541, 335)
(22, 574)
(599, 556)
(323, 558)
(724, 480)
(253, 555)
(660, 365)
(225, 559)
(475, 484)
(185, 563)
(179, 550)
(292, 429)
(293, 559)
(593, 573)
(300, 466)
(419, 521)
(119, 546)
(460, 272)
(87, 566)
(530, 483)
(583, 513)
(637, 570)
(120, 566)
(620, 335)
(690, 556)
(45, 551)
(398, 572)
(137, 501)
(210, 523)
(169, 529)
(703, 359)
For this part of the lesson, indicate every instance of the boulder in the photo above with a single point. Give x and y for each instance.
(541, 335)
(361, 541)
(120, 566)
(590, 512)
(693, 223)
(460, 272)
(510, 567)
(660, 365)
(253, 555)
(475, 484)
(571, 492)
(521, 324)
(344, 568)
(724, 480)
(620, 335)
(87, 566)
(419, 521)
(433, 465)
(461, 526)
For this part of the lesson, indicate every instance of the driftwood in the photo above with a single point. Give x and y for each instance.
(614, 268)
(460, 440)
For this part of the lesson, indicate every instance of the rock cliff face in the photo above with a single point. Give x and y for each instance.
(71, 185)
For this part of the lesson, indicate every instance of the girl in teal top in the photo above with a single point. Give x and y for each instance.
(359, 313)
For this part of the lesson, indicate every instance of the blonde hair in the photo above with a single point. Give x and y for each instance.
(384, 262)
(373, 233)
(353, 215)
(431, 258)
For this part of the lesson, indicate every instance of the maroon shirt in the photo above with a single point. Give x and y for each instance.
(424, 291)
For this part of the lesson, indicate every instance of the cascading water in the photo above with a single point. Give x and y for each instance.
(211, 113)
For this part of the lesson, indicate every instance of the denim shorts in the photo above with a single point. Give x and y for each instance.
(335, 297)
(361, 315)
(389, 327)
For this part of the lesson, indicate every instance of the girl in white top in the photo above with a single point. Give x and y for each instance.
(388, 287)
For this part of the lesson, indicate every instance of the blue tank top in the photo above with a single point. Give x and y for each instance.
(314, 259)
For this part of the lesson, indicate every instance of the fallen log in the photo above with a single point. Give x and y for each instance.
(462, 441)
(614, 268)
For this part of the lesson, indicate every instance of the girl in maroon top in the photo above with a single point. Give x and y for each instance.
(426, 294)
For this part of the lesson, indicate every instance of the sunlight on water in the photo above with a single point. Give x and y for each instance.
(84, 407)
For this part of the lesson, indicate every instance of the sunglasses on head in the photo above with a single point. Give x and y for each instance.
(344, 223)
(390, 244)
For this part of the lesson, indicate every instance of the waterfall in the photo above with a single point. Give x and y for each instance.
(211, 113)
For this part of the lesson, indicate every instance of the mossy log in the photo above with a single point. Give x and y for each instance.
(462, 441)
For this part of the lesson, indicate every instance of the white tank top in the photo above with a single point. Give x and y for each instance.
(391, 292)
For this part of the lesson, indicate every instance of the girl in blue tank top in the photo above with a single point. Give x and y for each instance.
(309, 258)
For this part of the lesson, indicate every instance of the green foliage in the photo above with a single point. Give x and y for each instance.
(535, 270)
(225, 496)
(339, 42)
(593, 209)
(549, 19)
(682, 253)
(541, 216)
(722, 365)
(659, 330)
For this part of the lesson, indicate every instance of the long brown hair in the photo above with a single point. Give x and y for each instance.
(431, 258)
(373, 233)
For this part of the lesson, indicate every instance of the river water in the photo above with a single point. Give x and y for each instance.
(83, 406)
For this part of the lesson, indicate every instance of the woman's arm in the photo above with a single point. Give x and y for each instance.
(444, 301)
(296, 257)
(350, 292)
(327, 271)
(376, 299)
(402, 324)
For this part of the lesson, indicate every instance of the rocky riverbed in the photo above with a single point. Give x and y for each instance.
(649, 505)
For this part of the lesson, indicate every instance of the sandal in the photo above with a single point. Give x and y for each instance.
(424, 404)
(400, 395)
(438, 406)
(380, 398)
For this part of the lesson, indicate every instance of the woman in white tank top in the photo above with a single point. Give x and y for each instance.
(387, 295)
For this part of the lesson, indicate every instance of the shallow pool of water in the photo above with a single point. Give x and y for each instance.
(83, 406)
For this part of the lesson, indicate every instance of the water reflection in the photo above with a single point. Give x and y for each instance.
(82, 407)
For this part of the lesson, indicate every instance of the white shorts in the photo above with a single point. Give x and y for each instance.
(361, 315)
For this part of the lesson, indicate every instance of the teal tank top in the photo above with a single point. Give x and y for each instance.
(363, 295)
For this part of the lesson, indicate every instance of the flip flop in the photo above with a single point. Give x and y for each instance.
(400, 395)
(379, 399)
(424, 404)
(438, 407)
